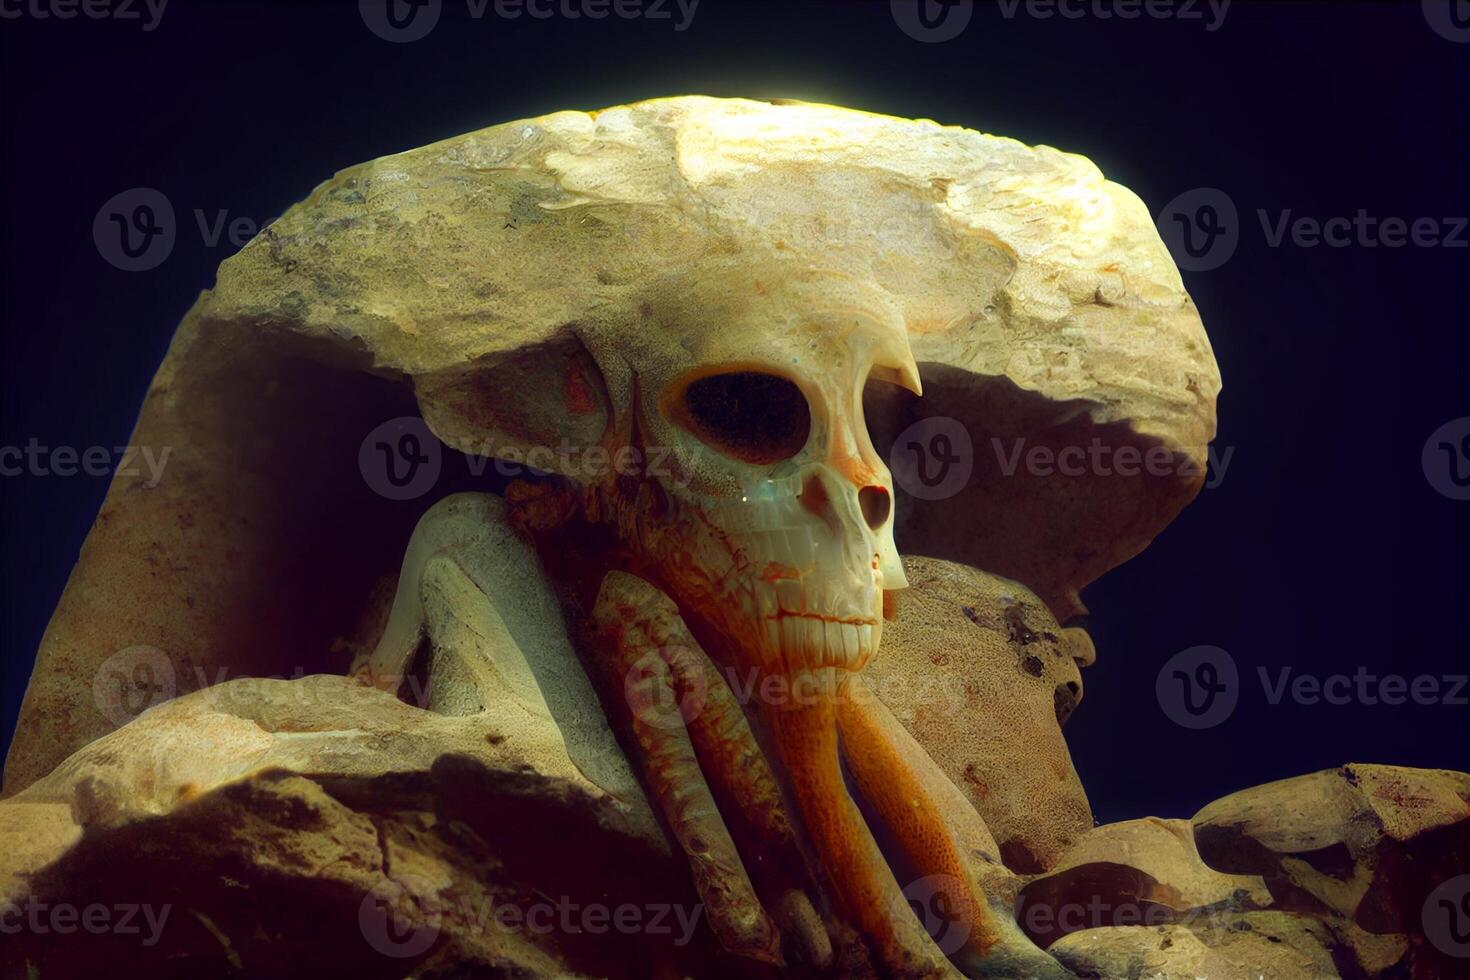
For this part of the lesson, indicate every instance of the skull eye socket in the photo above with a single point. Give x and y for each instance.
(755, 417)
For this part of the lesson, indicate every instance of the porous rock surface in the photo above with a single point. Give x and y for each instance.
(977, 669)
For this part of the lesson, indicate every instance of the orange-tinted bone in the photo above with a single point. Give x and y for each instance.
(891, 784)
(660, 706)
(860, 879)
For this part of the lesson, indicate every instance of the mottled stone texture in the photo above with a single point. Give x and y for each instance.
(976, 667)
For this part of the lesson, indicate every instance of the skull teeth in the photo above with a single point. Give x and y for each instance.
(789, 595)
(809, 588)
(808, 641)
(802, 631)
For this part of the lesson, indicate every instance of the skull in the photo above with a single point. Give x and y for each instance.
(778, 526)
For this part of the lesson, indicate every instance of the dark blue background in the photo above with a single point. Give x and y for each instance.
(1324, 548)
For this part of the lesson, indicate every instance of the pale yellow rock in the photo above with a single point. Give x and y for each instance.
(1133, 873)
(1249, 947)
(226, 805)
(1002, 259)
(1165, 851)
(315, 724)
(1361, 846)
(321, 725)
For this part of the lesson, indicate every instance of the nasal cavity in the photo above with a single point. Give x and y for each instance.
(875, 504)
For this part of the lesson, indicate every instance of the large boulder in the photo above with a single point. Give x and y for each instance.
(1364, 847)
(316, 827)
